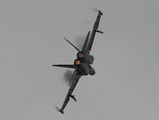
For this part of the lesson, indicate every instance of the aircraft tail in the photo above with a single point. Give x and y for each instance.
(72, 44)
(64, 65)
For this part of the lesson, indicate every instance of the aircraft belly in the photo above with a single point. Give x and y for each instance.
(89, 58)
(83, 69)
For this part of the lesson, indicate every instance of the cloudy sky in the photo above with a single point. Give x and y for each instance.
(126, 84)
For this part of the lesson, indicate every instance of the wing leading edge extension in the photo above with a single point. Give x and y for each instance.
(75, 78)
(95, 29)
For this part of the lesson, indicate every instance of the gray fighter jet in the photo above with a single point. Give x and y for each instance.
(82, 65)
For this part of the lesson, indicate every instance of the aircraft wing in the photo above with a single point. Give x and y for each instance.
(95, 29)
(75, 78)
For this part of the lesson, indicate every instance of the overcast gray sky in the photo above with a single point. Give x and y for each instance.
(126, 84)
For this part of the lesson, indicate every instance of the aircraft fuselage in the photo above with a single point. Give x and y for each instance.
(86, 57)
(83, 67)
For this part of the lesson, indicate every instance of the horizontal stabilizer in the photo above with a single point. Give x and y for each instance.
(64, 65)
(61, 111)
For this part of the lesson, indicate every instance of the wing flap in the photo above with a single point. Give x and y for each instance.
(86, 42)
(73, 76)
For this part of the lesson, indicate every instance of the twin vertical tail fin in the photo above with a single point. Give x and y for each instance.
(72, 44)
(64, 65)
(67, 65)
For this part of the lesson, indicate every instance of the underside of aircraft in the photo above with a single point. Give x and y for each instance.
(82, 64)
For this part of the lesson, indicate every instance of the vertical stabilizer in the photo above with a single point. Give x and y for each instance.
(64, 65)
(72, 44)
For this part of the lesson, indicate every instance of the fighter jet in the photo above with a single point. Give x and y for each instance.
(82, 64)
